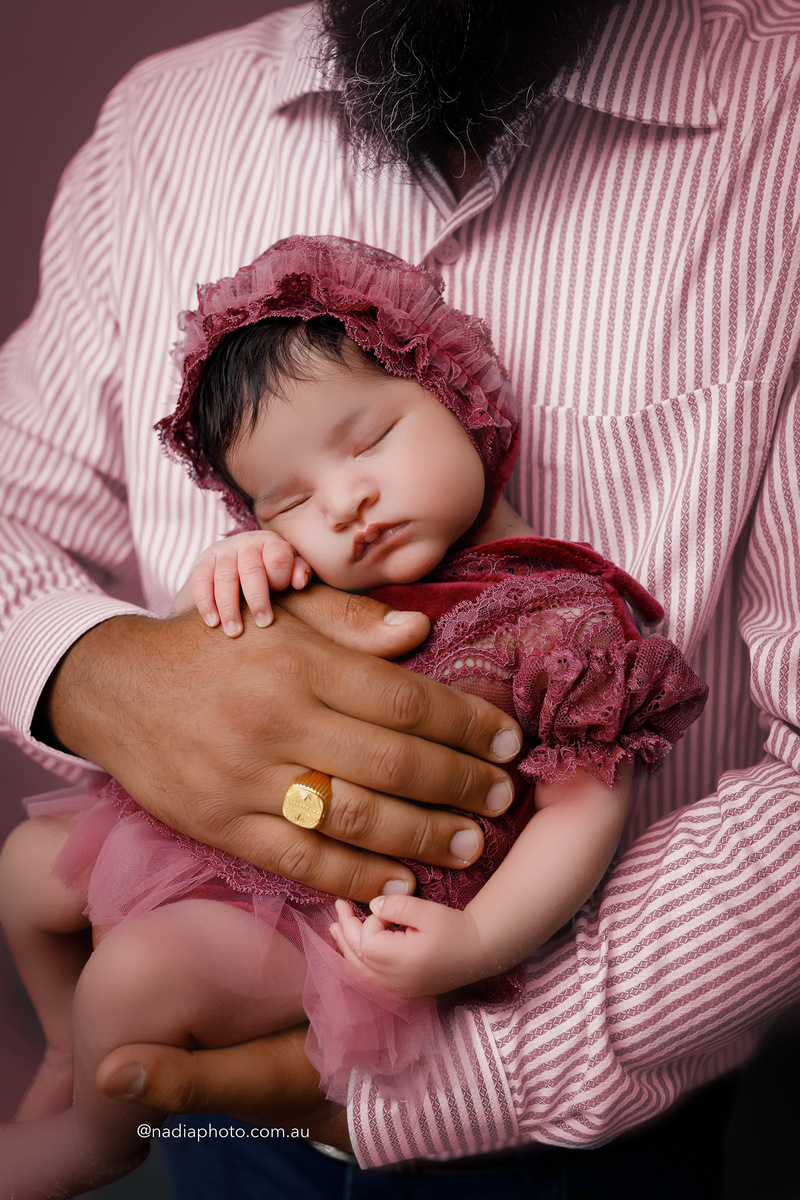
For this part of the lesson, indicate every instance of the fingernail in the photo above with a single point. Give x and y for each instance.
(232, 628)
(506, 745)
(263, 619)
(499, 798)
(395, 617)
(210, 619)
(128, 1082)
(395, 887)
(377, 904)
(465, 845)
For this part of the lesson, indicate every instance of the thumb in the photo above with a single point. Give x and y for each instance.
(401, 910)
(261, 1078)
(357, 622)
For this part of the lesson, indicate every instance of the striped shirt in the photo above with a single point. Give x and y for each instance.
(639, 267)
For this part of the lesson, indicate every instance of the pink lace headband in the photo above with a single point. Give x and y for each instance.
(389, 308)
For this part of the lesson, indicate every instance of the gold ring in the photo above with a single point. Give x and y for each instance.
(308, 799)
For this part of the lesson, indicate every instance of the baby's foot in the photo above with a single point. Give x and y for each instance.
(51, 1091)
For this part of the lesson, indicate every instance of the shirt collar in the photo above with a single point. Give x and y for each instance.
(298, 75)
(646, 65)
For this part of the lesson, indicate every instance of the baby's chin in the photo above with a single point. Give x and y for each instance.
(402, 569)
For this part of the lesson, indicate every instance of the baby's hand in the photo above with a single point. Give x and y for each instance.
(438, 950)
(254, 562)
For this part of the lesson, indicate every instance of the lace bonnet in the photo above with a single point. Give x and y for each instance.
(389, 308)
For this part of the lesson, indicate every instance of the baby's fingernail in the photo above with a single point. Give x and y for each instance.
(500, 797)
(376, 905)
(263, 619)
(506, 745)
(395, 887)
(232, 628)
(396, 617)
(128, 1082)
(465, 845)
(211, 619)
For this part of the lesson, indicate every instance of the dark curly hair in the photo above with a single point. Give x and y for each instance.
(248, 369)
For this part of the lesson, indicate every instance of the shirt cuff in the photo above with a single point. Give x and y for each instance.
(34, 644)
(467, 1107)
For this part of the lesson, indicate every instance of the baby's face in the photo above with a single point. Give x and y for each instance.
(366, 475)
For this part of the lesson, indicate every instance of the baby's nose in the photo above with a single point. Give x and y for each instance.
(347, 506)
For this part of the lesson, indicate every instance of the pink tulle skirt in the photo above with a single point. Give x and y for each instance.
(124, 867)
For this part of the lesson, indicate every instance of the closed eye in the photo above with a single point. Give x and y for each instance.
(292, 505)
(375, 441)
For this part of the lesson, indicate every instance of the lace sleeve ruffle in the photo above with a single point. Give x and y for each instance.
(560, 654)
(595, 705)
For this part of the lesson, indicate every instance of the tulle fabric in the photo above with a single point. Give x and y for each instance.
(388, 307)
(516, 623)
(124, 865)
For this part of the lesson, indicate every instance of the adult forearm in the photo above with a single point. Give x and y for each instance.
(690, 944)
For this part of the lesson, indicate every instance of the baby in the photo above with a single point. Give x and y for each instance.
(363, 431)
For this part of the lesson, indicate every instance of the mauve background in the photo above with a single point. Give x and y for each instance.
(58, 60)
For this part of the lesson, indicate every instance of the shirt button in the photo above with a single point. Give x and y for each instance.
(448, 252)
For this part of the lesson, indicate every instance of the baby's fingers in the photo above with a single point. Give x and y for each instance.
(255, 584)
(349, 927)
(301, 573)
(277, 559)
(203, 591)
(411, 911)
(226, 594)
(346, 933)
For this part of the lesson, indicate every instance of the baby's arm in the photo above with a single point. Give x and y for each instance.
(552, 869)
(255, 563)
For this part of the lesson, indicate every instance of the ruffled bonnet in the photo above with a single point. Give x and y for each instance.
(388, 307)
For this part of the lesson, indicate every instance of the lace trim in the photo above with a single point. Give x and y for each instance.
(388, 307)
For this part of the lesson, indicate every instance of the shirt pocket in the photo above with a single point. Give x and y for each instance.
(663, 492)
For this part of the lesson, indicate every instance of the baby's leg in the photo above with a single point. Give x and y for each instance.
(185, 974)
(50, 940)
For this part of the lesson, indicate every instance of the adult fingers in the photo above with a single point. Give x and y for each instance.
(381, 759)
(357, 622)
(389, 826)
(369, 689)
(317, 861)
(266, 1082)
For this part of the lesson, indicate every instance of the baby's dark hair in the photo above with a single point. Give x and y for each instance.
(248, 369)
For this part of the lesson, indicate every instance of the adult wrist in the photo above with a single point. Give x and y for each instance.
(35, 642)
(77, 707)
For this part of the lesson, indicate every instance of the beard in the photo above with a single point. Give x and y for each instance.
(415, 79)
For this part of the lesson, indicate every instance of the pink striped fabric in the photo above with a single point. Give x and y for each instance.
(638, 265)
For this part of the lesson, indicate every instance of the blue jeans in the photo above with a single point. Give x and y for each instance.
(680, 1156)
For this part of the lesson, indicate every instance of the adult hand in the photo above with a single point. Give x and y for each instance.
(268, 1082)
(207, 733)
